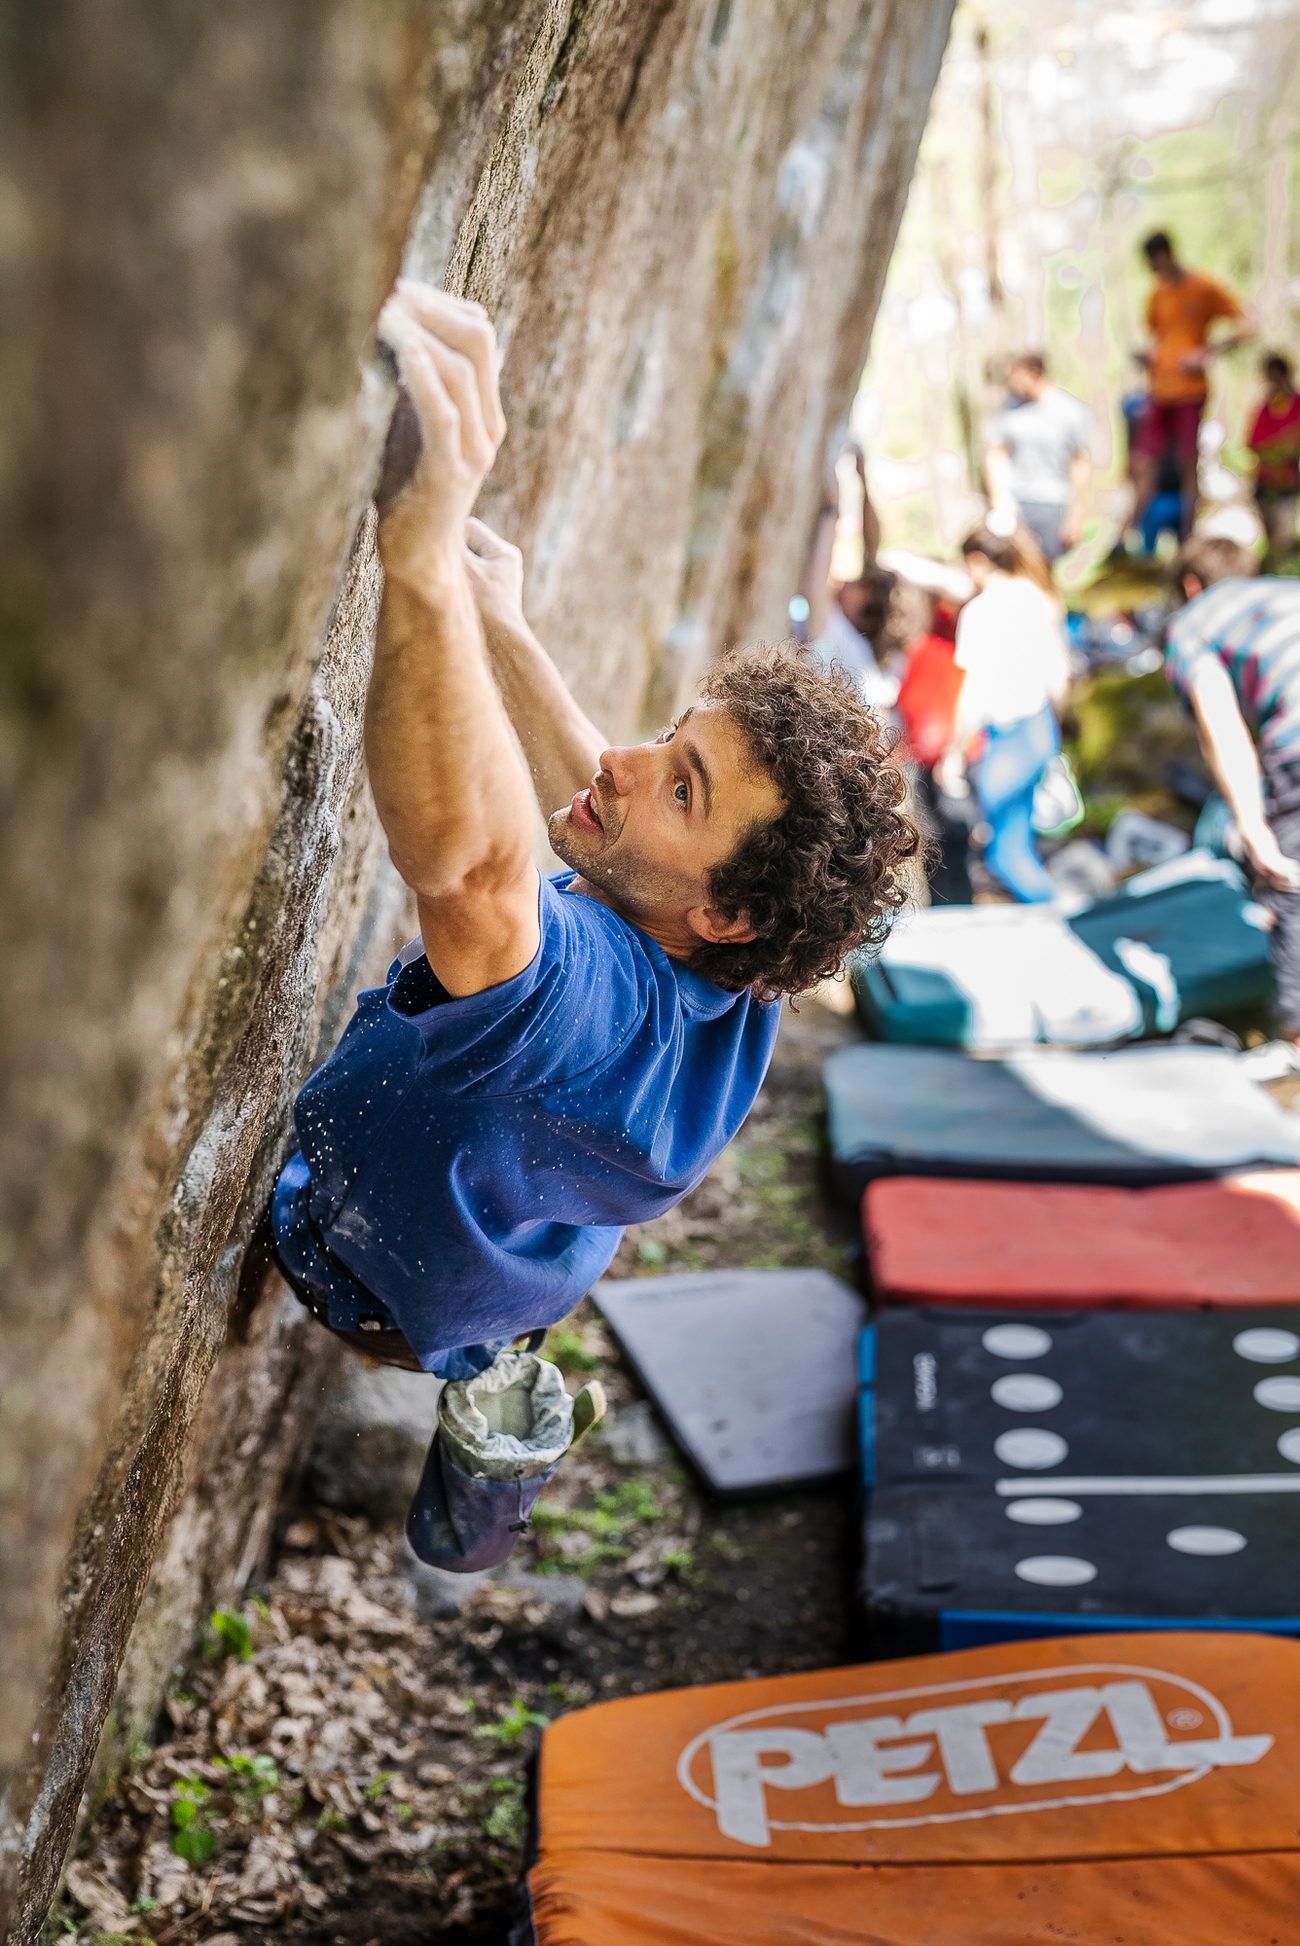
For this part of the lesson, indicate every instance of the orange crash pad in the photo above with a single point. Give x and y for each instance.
(1134, 1788)
(1232, 1241)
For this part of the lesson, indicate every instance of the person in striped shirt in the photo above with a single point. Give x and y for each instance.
(1234, 653)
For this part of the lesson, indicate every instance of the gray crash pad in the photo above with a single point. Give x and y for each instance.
(1141, 1115)
(753, 1371)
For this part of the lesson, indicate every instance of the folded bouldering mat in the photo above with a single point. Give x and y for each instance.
(1139, 1788)
(1137, 1116)
(1235, 1240)
(1198, 946)
(992, 976)
(1068, 1470)
(1176, 942)
(752, 1371)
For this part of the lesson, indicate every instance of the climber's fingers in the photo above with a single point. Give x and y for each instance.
(465, 328)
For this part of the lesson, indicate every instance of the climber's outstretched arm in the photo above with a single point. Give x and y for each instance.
(562, 745)
(451, 793)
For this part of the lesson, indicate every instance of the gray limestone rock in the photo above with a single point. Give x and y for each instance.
(371, 1439)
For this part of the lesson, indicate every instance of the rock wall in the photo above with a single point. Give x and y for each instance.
(680, 213)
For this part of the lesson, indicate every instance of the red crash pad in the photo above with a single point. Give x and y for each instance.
(1129, 1787)
(1231, 1241)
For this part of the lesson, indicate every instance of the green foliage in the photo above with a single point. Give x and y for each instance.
(679, 1559)
(568, 1350)
(513, 1723)
(507, 1821)
(378, 1785)
(233, 1635)
(250, 1778)
(632, 1500)
(332, 1820)
(192, 1837)
(653, 1254)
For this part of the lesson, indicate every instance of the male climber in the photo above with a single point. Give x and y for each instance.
(556, 1056)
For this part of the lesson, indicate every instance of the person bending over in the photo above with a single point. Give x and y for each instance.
(557, 1056)
(1234, 653)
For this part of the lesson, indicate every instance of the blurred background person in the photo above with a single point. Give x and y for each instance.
(927, 710)
(845, 621)
(1234, 652)
(1012, 654)
(1038, 456)
(1164, 511)
(1182, 308)
(1274, 438)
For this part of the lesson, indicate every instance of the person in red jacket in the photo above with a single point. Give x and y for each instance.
(1275, 440)
(927, 708)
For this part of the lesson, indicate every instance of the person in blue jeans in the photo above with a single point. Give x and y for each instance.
(556, 1055)
(1011, 648)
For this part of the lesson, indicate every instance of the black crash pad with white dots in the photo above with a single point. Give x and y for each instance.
(1029, 1475)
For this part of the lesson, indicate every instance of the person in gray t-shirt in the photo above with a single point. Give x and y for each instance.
(1037, 455)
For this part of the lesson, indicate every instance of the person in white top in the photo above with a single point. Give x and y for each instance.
(842, 621)
(1009, 644)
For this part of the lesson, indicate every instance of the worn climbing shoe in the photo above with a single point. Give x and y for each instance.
(500, 1437)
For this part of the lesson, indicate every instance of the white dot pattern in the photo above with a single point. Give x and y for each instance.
(1266, 1345)
(1016, 1341)
(1031, 1448)
(1056, 1571)
(1027, 1392)
(1205, 1540)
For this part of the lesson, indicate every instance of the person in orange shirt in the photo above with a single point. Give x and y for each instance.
(1180, 312)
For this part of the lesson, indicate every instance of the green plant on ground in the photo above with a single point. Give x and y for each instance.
(514, 1722)
(507, 1820)
(632, 1501)
(678, 1559)
(379, 1784)
(651, 1252)
(332, 1820)
(192, 1837)
(250, 1778)
(232, 1633)
(568, 1350)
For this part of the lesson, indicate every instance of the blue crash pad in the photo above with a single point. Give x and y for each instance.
(1139, 1115)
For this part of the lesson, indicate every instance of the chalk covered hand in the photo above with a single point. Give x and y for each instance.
(446, 354)
(496, 573)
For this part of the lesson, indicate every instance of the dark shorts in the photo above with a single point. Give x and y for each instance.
(1169, 429)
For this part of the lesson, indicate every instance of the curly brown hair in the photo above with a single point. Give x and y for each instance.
(824, 876)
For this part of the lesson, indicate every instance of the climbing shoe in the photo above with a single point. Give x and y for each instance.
(499, 1439)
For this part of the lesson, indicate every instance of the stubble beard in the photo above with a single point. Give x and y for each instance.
(630, 884)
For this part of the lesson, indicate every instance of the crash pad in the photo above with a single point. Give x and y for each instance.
(1180, 940)
(1231, 1241)
(992, 976)
(1135, 1116)
(1137, 1788)
(1193, 946)
(752, 1371)
(1030, 1472)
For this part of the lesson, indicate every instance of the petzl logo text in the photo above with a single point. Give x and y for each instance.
(1031, 1743)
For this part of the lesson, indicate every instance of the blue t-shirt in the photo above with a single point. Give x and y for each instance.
(468, 1165)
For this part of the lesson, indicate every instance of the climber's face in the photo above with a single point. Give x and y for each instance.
(657, 818)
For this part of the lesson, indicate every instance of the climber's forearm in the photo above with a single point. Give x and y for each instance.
(1227, 745)
(561, 745)
(446, 777)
